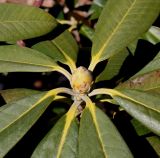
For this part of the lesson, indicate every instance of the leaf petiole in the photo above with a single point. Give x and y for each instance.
(61, 90)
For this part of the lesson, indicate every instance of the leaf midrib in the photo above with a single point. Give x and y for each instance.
(114, 31)
(32, 107)
(133, 100)
(68, 59)
(114, 93)
(92, 110)
(69, 119)
(18, 62)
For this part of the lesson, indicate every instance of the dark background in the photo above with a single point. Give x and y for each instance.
(145, 52)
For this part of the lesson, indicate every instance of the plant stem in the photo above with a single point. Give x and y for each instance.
(107, 91)
(62, 90)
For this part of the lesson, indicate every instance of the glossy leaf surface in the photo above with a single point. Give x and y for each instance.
(61, 141)
(49, 49)
(63, 48)
(11, 95)
(22, 22)
(18, 117)
(118, 25)
(14, 58)
(100, 136)
(143, 106)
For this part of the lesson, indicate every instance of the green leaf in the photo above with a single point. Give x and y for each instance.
(49, 49)
(63, 48)
(152, 35)
(68, 47)
(143, 106)
(113, 66)
(17, 59)
(22, 22)
(18, 117)
(132, 46)
(11, 95)
(121, 26)
(155, 143)
(87, 31)
(147, 79)
(139, 128)
(98, 137)
(62, 139)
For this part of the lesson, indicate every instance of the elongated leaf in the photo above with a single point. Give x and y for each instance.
(68, 47)
(18, 117)
(11, 95)
(23, 22)
(49, 49)
(98, 137)
(63, 48)
(147, 79)
(61, 141)
(143, 106)
(121, 26)
(139, 128)
(113, 66)
(14, 58)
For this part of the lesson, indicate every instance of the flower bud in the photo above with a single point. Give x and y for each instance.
(81, 80)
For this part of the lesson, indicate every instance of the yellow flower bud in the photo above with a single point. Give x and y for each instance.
(81, 80)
